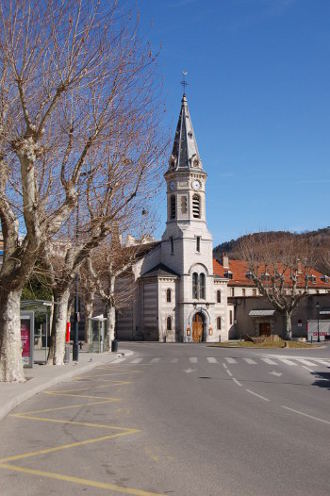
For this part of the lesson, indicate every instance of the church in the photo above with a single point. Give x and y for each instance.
(176, 296)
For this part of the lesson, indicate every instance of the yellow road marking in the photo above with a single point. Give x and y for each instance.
(54, 393)
(67, 446)
(66, 407)
(73, 422)
(82, 482)
(91, 386)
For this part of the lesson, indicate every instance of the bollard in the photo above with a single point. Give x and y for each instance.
(114, 345)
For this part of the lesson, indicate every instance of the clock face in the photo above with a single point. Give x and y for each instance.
(172, 185)
(196, 185)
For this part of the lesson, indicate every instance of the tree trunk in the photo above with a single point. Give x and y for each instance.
(56, 350)
(11, 364)
(111, 322)
(288, 326)
(89, 308)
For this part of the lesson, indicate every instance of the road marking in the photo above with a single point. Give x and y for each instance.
(71, 422)
(230, 360)
(67, 407)
(250, 361)
(287, 362)
(269, 361)
(324, 362)
(154, 360)
(305, 362)
(66, 446)
(225, 366)
(237, 382)
(136, 360)
(258, 395)
(306, 415)
(174, 360)
(229, 373)
(278, 374)
(188, 371)
(79, 481)
(193, 359)
(212, 360)
(54, 393)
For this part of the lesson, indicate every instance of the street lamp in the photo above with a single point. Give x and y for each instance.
(317, 305)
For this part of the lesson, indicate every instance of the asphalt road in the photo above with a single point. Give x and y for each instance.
(179, 420)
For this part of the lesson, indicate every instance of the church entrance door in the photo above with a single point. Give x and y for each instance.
(197, 328)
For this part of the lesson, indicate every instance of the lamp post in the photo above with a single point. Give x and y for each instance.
(75, 348)
(318, 320)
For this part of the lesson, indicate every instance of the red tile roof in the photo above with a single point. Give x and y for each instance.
(240, 268)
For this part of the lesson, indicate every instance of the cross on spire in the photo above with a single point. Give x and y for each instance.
(184, 81)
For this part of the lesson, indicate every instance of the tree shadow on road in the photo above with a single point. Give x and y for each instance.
(322, 379)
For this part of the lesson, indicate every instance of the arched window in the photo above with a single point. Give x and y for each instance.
(168, 295)
(219, 323)
(218, 296)
(195, 285)
(202, 286)
(172, 207)
(196, 206)
(169, 323)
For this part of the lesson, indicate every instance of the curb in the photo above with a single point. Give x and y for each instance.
(20, 398)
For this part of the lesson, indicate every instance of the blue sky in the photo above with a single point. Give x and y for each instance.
(259, 97)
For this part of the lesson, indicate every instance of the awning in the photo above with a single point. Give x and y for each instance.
(261, 313)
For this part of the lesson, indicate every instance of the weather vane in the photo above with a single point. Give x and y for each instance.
(184, 81)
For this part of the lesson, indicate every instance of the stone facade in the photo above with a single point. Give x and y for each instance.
(176, 293)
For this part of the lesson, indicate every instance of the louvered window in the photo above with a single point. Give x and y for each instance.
(172, 207)
(169, 323)
(196, 206)
(168, 295)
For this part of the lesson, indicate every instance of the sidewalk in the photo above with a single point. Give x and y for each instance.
(41, 377)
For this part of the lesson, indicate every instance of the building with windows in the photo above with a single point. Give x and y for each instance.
(177, 297)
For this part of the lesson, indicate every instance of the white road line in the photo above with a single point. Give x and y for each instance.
(225, 366)
(230, 360)
(193, 359)
(155, 360)
(229, 373)
(250, 361)
(136, 360)
(211, 360)
(174, 360)
(237, 382)
(287, 362)
(306, 415)
(269, 361)
(258, 395)
(324, 362)
(305, 362)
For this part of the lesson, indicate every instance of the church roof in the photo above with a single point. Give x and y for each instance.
(160, 270)
(185, 153)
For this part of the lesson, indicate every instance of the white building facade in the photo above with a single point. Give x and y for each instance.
(177, 297)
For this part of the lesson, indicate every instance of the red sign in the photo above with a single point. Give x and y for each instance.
(25, 337)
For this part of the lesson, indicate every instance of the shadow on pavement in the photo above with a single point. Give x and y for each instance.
(322, 379)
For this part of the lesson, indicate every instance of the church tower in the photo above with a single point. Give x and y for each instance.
(187, 243)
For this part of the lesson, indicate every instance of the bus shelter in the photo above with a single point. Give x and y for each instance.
(35, 331)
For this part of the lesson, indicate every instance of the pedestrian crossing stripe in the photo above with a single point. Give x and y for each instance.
(274, 361)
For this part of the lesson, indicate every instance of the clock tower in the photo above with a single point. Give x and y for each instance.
(186, 246)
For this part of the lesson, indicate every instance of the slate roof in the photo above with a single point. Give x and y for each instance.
(160, 270)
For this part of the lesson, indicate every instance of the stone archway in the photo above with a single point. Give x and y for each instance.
(198, 324)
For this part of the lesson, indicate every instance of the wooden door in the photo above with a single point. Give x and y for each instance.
(265, 329)
(197, 328)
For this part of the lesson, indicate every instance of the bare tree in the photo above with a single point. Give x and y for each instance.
(74, 83)
(280, 269)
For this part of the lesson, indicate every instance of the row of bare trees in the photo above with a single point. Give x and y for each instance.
(78, 130)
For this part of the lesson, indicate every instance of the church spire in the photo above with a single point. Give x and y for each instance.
(185, 153)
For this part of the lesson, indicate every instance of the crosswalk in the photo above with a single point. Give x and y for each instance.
(276, 361)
